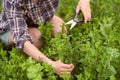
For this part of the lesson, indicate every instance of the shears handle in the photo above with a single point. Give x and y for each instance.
(75, 17)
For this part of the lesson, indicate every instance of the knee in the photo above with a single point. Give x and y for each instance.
(57, 23)
(10, 39)
(35, 34)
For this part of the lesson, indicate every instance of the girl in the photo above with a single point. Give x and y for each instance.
(18, 26)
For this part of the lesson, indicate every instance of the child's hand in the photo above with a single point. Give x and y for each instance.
(61, 67)
(84, 6)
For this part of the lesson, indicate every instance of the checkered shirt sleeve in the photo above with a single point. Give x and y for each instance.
(17, 23)
(13, 17)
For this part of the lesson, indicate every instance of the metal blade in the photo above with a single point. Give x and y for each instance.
(69, 22)
(73, 25)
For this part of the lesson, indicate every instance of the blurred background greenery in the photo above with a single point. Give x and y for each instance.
(94, 47)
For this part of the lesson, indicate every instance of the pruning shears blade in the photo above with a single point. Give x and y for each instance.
(72, 22)
(69, 22)
(73, 25)
(75, 20)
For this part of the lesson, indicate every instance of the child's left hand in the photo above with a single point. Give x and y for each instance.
(84, 7)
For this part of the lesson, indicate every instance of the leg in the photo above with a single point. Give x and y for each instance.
(35, 34)
(10, 39)
(57, 24)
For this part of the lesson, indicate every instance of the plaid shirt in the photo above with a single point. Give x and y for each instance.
(15, 14)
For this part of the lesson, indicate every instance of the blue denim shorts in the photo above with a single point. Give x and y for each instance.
(4, 38)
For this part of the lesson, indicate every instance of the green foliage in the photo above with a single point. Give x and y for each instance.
(94, 47)
(0, 6)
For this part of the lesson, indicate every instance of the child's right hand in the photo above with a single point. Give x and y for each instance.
(84, 6)
(61, 67)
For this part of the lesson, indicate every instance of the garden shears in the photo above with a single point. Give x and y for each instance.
(75, 20)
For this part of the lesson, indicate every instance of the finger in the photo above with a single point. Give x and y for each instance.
(69, 73)
(78, 8)
(85, 19)
(89, 19)
(60, 73)
(63, 65)
(87, 15)
(67, 66)
(63, 71)
(66, 70)
(72, 66)
(70, 69)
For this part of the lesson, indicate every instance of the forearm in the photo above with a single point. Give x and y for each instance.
(33, 52)
(59, 66)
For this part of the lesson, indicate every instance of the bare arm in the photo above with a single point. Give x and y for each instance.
(20, 34)
(33, 52)
(60, 67)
